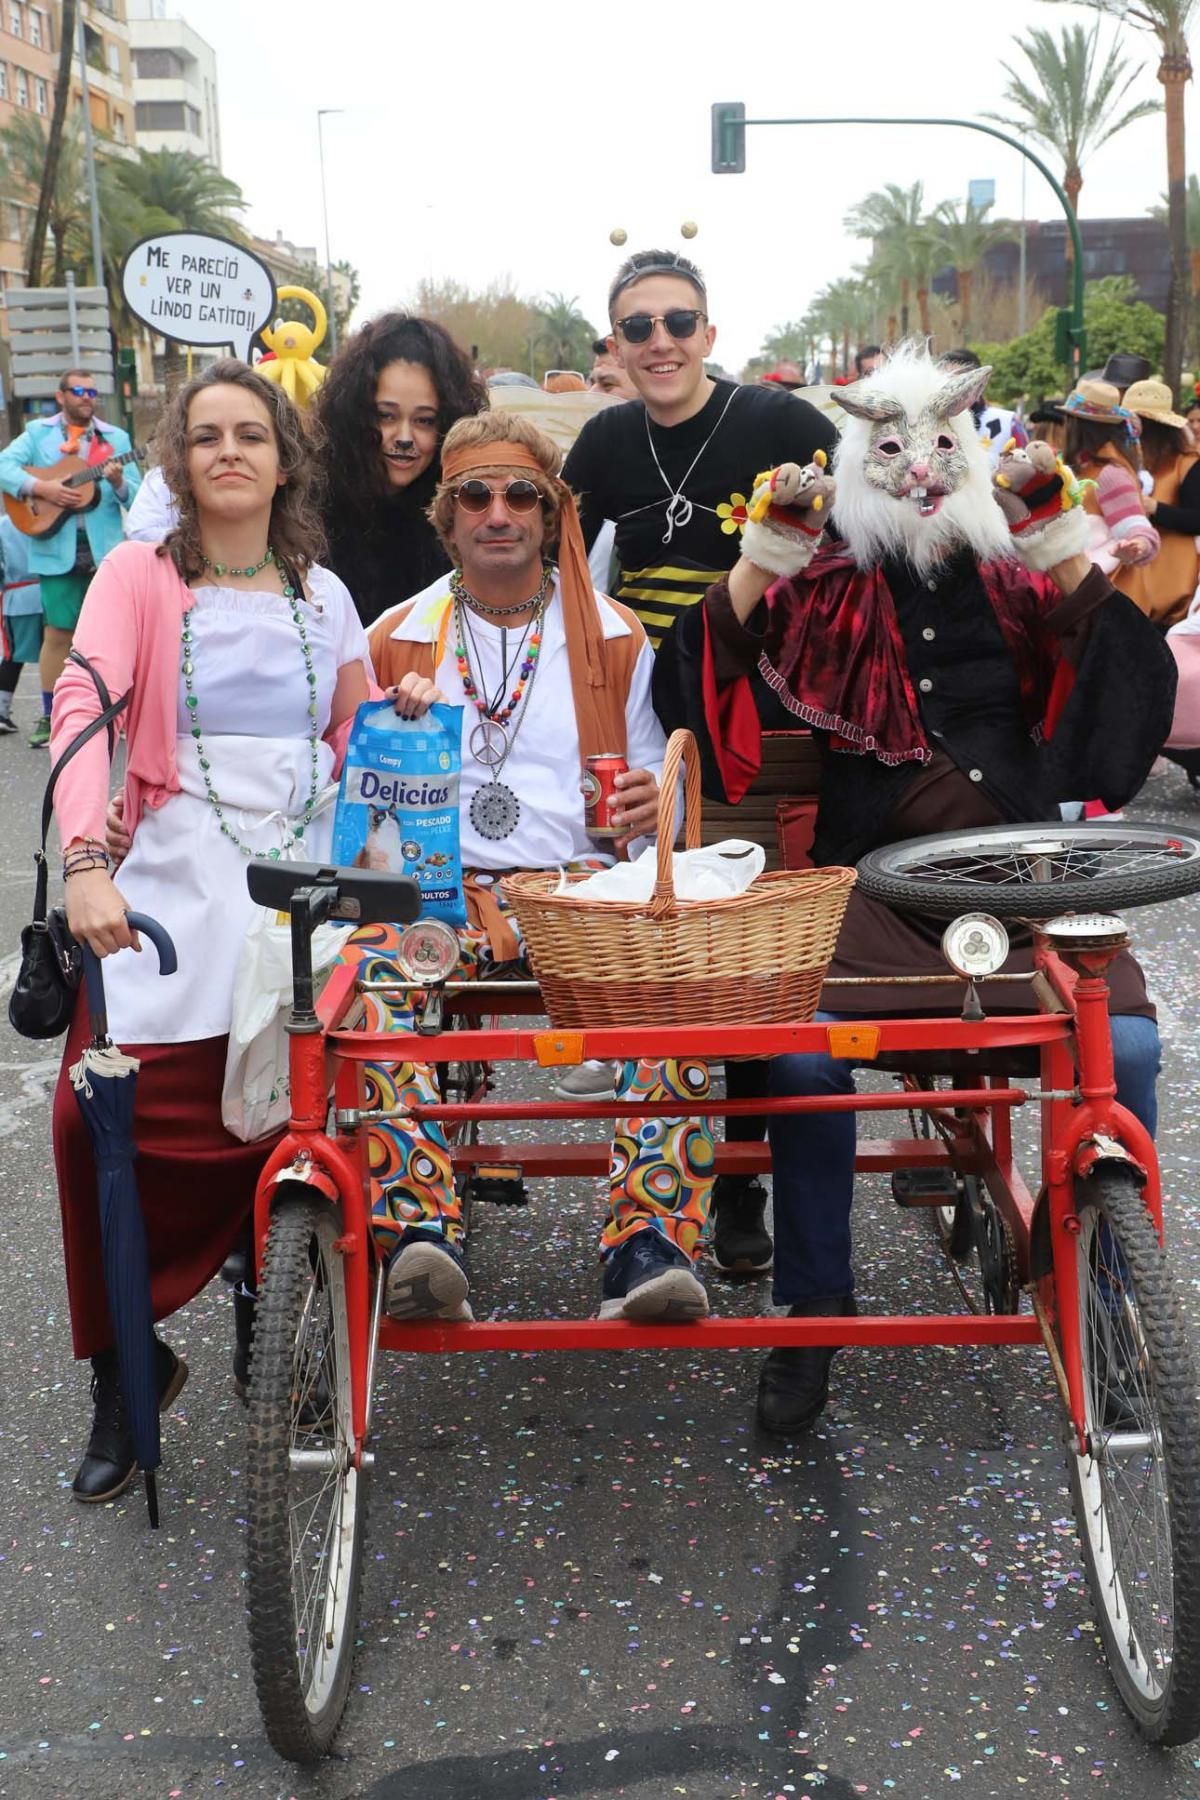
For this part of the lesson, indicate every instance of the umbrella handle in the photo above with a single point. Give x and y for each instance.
(93, 973)
(168, 962)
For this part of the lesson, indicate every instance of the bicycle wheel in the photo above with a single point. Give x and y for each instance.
(1034, 871)
(306, 1502)
(1136, 1491)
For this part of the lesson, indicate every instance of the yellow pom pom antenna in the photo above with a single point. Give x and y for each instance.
(820, 458)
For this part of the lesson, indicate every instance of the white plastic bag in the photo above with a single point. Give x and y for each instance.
(713, 873)
(257, 1096)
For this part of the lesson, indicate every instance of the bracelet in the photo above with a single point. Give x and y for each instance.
(80, 868)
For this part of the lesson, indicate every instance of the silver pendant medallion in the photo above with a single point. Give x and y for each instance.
(495, 811)
(488, 743)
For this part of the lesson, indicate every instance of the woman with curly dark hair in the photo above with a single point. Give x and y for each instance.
(391, 395)
(243, 660)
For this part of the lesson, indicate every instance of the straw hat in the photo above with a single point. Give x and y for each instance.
(1097, 401)
(1152, 400)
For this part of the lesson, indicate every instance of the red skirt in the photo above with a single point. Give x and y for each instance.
(195, 1182)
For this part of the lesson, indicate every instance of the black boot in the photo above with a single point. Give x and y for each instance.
(793, 1387)
(109, 1464)
(741, 1243)
(243, 1326)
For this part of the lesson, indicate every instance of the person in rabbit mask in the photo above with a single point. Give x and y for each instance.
(961, 663)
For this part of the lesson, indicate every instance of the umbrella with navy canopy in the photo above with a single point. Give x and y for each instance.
(105, 1082)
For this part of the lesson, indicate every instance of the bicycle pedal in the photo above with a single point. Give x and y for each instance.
(924, 1187)
(498, 1184)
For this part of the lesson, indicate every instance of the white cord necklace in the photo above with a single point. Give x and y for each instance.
(679, 507)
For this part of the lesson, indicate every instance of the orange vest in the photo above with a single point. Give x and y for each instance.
(1163, 588)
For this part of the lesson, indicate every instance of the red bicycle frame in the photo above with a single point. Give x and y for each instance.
(1081, 1125)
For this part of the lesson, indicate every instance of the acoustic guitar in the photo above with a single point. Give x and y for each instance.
(41, 518)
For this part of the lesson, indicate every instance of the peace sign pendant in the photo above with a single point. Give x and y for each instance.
(488, 743)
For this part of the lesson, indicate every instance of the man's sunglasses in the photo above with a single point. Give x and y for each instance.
(638, 328)
(84, 393)
(518, 496)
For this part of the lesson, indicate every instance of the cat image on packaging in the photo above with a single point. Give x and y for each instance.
(397, 806)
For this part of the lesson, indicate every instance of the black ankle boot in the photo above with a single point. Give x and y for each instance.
(793, 1388)
(109, 1464)
(243, 1326)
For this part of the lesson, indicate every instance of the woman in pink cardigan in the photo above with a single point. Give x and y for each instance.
(245, 661)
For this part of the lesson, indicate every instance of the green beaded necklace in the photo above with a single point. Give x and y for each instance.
(188, 669)
(219, 569)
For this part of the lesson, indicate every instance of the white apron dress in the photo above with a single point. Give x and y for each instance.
(252, 690)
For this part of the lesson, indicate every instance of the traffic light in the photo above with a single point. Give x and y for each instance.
(728, 137)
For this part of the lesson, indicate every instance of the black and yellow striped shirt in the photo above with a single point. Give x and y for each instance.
(665, 567)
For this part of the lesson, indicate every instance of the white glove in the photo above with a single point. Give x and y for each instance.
(786, 516)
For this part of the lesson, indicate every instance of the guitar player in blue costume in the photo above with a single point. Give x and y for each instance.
(66, 558)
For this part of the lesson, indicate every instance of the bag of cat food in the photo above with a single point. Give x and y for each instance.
(397, 806)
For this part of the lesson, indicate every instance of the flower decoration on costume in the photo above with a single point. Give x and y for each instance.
(733, 514)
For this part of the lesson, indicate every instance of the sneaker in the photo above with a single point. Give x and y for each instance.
(426, 1280)
(793, 1388)
(590, 1081)
(741, 1243)
(648, 1279)
(7, 724)
(39, 737)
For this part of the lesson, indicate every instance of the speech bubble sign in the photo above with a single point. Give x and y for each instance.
(198, 289)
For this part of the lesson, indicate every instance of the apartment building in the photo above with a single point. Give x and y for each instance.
(174, 83)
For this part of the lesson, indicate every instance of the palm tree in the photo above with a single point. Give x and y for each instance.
(1069, 105)
(1192, 220)
(1169, 20)
(961, 239)
(892, 219)
(47, 177)
(24, 156)
(186, 188)
(565, 333)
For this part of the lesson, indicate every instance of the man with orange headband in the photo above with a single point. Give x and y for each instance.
(547, 673)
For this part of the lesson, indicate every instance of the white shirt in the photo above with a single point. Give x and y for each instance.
(544, 763)
(250, 681)
(153, 512)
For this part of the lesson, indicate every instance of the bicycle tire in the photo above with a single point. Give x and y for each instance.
(886, 874)
(302, 1696)
(1133, 1330)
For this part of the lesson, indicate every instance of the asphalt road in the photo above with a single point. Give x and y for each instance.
(588, 1576)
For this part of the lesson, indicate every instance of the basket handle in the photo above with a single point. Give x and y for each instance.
(681, 748)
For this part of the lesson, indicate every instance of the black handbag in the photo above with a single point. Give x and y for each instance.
(43, 997)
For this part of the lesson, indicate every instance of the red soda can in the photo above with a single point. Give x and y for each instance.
(600, 794)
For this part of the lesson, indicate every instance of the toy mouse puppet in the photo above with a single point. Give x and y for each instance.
(960, 663)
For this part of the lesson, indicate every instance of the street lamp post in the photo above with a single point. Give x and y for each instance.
(729, 127)
(322, 113)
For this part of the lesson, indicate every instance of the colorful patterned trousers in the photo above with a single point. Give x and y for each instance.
(660, 1176)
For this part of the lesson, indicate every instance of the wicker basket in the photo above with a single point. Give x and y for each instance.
(753, 958)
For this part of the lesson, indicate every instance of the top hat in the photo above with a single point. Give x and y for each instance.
(1123, 368)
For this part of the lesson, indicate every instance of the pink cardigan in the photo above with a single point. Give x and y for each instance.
(130, 630)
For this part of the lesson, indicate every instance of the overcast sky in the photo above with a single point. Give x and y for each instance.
(480, 141)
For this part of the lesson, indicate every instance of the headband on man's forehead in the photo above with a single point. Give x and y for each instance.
(501, 453)
(658, 268)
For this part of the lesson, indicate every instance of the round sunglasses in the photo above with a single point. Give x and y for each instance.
(638, 328)
(519, 496)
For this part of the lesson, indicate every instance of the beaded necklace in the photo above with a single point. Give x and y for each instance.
(188, 669)
(525, 670)
(219, 569)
